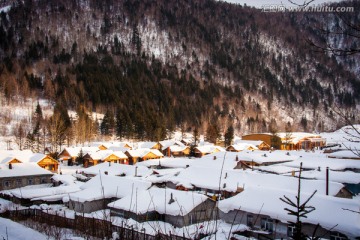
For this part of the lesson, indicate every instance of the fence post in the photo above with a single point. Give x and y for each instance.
(132, 232)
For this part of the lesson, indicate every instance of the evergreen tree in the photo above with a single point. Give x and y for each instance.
(213, 132)
(107, 124)
(80, 158)
(229, 136)
(300, 210)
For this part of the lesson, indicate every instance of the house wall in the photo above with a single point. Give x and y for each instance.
(7, 183)
(91, 206)
(49, 164)
(203, 212)
(186, 152)
(206, 211)
(258, 137)
(280, 229)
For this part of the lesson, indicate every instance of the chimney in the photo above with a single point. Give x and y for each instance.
(10, 166)
(171, 199)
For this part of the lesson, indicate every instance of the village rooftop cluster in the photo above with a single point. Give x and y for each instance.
(232, 191)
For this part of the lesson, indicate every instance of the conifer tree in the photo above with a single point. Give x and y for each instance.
(299, 209)
(229, 135)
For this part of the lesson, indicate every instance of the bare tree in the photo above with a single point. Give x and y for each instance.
(346, 28)
(57, 132)
(302, 3)
(353, 133)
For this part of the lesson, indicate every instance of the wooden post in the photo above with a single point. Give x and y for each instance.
(327, 180)
(132, 232)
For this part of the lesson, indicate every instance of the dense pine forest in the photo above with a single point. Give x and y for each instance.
(152, 67)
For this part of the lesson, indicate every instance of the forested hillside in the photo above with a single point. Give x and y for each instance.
(154, 66)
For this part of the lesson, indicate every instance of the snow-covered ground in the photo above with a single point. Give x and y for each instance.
(15, 231)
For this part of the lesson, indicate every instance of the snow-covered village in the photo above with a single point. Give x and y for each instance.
(173, 190)
(179, 119)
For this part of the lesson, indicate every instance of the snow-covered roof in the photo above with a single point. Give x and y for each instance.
(253, 142)
(146, 144)
(346, 154)
(209, 149)
(262, 157)
(157, 199)
(116, 169)
(335, 176)
(243, 146)
(168, 162)
(65, 179)
(313, 160)
(8, 155)
(74, 151)
(22, 169)
(110, 144)
(177, 148)
(117, 149)
(104, 186)
(31, 193)
(266, 201)
(35, 157)
(231, 180)
(168, 143)
(142, 152)
(103, 154)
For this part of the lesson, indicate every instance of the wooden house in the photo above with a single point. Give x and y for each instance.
(42, 160)
(45, 161)
(261, 145)
(72, 153)
(289, 141)
(143, 154)
(177, 151)
(207, 149)
(167, 205)
(94, 158)
(241, 147)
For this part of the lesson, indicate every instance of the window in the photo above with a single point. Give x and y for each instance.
(7, 184)
(337, 236)
(250, 220)
(43, 180)
(18, 182)
(30, 181)
(290, 231)
(267, 224)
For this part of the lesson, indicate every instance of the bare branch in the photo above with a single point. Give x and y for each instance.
(304, 4)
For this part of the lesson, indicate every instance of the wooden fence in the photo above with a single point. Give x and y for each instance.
(89, 226)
